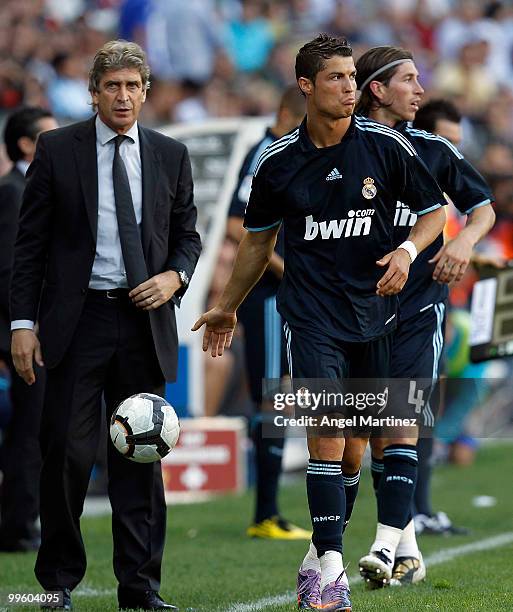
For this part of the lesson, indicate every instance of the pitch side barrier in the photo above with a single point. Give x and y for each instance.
(217, 148)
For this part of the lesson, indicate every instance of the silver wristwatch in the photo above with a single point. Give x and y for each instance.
(183, 277)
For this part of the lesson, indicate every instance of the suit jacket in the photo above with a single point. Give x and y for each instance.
(12, 185)
(56, 243)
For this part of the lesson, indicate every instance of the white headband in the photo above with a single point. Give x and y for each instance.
(382, 69)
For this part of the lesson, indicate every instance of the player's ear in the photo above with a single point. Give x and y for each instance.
(305, 85)
(377, 88)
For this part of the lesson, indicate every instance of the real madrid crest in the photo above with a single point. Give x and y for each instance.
(369, 189)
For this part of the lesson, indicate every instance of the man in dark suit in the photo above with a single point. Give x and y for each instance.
(106, 247)
(21, 457)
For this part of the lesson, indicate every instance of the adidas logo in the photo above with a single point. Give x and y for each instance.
(334, 175)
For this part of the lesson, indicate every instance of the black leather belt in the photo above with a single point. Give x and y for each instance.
(111, 294)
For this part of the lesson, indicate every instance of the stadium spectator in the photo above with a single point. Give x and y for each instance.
(191, 106)
(249, 39)
(183, 39)
(133, 17)
(67, 92)
(101, 286)
(467, 78)
(21, 455)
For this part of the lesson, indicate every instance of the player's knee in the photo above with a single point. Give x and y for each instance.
(326, 449)
(351, 464)
(410, 439)
(377, 447)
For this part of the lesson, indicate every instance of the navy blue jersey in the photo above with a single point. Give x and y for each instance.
(337, 206)
(466, 188)
(269, 282)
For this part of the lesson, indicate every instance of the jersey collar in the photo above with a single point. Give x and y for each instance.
(269, 134)
(306, 144)
(402, 125)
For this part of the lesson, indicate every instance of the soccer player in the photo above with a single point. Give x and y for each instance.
(390, 95)
(263, 335)
(440, 117)
(333, 183)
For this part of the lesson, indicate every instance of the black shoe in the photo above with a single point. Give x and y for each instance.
(437, 524)
(21, 545)
(66, 600)
(133, 599)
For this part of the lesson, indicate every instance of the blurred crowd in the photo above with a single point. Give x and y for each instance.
(218, 58)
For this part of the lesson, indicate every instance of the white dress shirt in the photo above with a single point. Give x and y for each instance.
(108, 268)
(22, 166)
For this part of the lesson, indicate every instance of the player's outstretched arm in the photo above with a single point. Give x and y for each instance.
(425, 230)
(454, 256)
(253, 256)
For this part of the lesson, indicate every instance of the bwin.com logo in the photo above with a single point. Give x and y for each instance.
(358, 223)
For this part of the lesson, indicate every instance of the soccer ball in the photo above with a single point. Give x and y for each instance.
(144, 428)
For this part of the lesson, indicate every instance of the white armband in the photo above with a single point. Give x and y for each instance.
(408, 246)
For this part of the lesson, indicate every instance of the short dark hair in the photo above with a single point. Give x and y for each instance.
(369, 62)
(311, 58)
(293, 100)
(23, 122)
(427, 116)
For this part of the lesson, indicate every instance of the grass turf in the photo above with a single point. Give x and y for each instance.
(210, 564)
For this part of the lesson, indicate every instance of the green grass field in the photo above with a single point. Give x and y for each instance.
(211, 565)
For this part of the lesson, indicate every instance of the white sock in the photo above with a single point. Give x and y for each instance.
(331, 567)
(387, 540)
(311, 560)
(408, 546)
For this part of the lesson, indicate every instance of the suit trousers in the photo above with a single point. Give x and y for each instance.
(111, 353)
(21, 458)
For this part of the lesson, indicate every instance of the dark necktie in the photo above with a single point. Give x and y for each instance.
(129, 235)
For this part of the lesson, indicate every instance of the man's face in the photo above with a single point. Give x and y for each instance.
(333, 94)
(120, 98)
(28, 146)
(449, 129)
(401, 98)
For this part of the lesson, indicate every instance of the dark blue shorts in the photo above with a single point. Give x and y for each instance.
(314, 356)
(334, 371)
(264, 341)
(417, 353)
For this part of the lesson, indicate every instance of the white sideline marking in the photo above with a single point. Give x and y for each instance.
(442, 556)
(448, 554)
(85, 591)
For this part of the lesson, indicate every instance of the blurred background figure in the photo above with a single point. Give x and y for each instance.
(264, 337)
(20, 453)
(441, 116)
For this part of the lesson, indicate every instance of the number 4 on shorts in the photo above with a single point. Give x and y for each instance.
(416, 400)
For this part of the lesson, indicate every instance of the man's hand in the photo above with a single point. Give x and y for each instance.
(395, 277)
(452, 260)
(220, 326)
(156, 291)
(25, 349)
